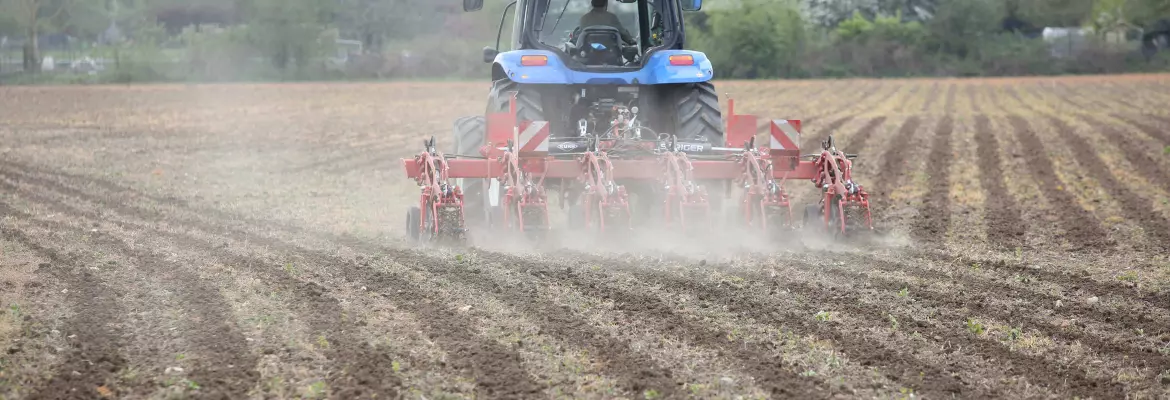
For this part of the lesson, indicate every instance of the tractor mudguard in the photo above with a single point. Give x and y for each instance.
(659, 69)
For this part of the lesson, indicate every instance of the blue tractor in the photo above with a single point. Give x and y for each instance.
(572, 76)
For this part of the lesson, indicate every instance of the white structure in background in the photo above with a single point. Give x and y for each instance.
(1065, 42)
(87, 65)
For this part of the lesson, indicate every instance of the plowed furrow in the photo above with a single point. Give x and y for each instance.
(1064, 94)
(225, 365)
(497, 371)
(931, 96)
(811, 144)
(1005, 228)
(351, 159)
(1081, 227)
(844, 291)
(1135, 207)
(118, 195)
(1137, 153)
(858, 139)
(221, 224)
(985, 297)
(753, 303)
(909, 96)
(894, 161)
(1015, 95)
(891, 174)
(634, 370)
(1161, 134)
(870, 92)
(975, 105)
(1069, 380)
(949, 107)
(359, 364)
(131, 194)
(95, 358)
(1071, 285)
(1120, 94)
(935, 217)
(757, 359)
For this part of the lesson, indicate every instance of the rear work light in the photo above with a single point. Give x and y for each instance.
(682, 59)
(532, 61)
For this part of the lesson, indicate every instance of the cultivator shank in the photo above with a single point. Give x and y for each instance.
(841, 196)
(606, 204)
(685, 205)
(765, 203)
(525, 206)
(593, 170)
(439, 214)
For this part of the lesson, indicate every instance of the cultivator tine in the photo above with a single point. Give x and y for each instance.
(525, 205)
(684, 200)
(765, 204)
(611, 199)
(840, 193)
(438, 218)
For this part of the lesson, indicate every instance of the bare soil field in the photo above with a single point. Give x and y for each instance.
(246, 241)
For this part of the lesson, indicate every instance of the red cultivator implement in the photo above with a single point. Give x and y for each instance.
(593, 171)
(439, 214)
(841, 194)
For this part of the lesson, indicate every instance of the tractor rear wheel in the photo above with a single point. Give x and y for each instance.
(696, 112)
(528, 102)
(470, 135)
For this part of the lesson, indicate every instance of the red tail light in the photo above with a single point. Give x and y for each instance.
(533, 61)
(682, 59)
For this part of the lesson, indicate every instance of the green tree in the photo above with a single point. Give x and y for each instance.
(960, 26)
(854, 28)
(1144, 13)
(1055, 13)
(757, 39)
(1109, 15)
(375, 22)
(290, 33)
(30, 16)
(90, 19)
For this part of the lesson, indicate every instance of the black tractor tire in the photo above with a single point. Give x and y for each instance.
(697, 113)
(528, 102)
(470, 133)
(694, 112)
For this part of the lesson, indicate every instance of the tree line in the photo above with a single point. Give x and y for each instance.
(886, 38)
(202, 40)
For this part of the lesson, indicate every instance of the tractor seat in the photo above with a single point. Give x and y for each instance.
(597, 45)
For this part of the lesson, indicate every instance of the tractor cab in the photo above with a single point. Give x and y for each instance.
(621, 34)
(594, 36)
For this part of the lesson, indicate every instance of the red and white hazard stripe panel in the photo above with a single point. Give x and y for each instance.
(534, 136)
(785, 134)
